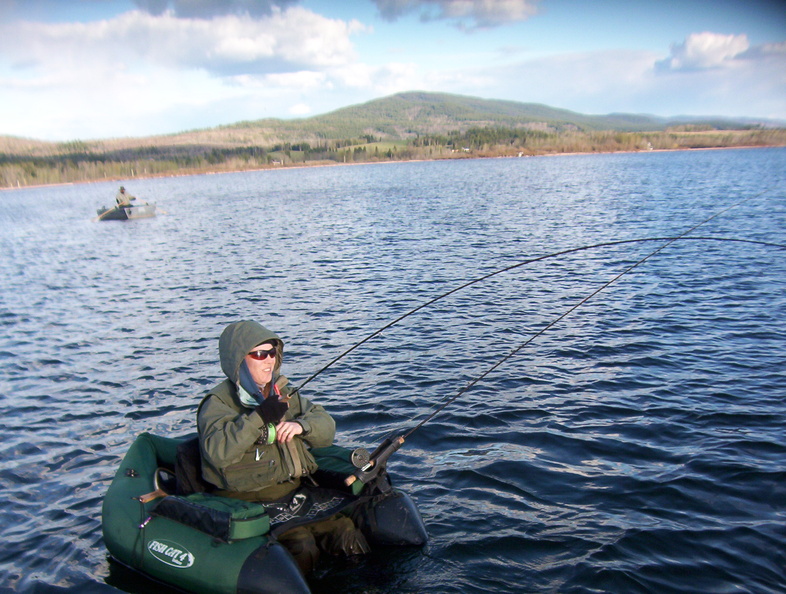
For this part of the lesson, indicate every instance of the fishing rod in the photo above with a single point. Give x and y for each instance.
(469, 283)
(376, 462)
(519, 265)
(371, 465)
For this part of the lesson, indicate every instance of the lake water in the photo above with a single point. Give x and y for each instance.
(637, 445)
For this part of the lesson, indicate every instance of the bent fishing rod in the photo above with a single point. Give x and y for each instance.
(371, 466)
(469, 283)
(519, 265)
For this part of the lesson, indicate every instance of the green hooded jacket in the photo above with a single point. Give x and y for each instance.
(232, 436)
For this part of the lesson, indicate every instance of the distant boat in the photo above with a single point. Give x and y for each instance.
(127, 212)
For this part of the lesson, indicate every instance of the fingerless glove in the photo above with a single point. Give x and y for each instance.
(272, 410)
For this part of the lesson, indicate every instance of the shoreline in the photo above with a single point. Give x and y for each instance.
(128, 180)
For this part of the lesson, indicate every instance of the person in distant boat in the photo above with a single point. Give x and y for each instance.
(254, 437)
(124, 199)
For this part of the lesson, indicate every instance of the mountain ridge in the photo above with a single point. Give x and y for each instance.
(406, 126)
(406, 115)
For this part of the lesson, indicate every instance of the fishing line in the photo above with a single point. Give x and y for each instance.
(669, 241)
(570, 310)
(519, 265)
(378, 459)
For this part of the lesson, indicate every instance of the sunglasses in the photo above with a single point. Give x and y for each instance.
(262, 355)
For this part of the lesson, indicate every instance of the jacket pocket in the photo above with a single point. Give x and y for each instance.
(250, 474)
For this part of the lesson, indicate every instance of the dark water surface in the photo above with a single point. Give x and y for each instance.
(638, 445)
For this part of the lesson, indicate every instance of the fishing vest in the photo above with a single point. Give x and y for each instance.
(262, 465)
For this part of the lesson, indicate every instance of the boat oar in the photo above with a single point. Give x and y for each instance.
(103, 214)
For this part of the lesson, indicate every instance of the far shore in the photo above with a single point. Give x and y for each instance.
(186, 173)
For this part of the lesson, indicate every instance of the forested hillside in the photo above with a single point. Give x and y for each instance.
(406, 126)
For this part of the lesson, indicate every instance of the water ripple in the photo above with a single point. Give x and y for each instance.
(636, 446)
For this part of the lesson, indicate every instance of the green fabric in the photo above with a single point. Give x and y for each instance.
(337, 460)
(215, 567)
(246, 519)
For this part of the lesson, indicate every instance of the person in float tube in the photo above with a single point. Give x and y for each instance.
(255, 438)
(124, 199)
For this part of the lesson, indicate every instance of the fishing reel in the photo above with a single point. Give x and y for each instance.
(374, 468)
(360, 458)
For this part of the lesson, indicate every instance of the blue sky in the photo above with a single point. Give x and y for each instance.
(91, 69)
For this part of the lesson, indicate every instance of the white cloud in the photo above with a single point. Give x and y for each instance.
(300, 109)
(632, 82)
(283, 41)
(467, 14)
(716, 74)
(567, 81)
(138, 74)
(304, 80)
(207, 9)
(705, 50)
(386, 79)
(766, 51)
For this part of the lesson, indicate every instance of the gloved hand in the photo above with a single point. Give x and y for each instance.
(272, 410)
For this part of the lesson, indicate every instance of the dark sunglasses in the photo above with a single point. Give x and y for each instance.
(262, 355)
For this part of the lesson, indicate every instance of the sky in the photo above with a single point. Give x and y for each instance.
(96, 69)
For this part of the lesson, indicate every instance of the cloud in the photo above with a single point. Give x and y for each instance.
(631, 81)
(723, 75)
(117, 76)
(701, 51)
(384, 80)
(766, 51)
(306, 80)
(300, 109)
(584, 82)
(208, 9)
(466, 14)
(229, 45)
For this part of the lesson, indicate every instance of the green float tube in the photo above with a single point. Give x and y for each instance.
(200, 542)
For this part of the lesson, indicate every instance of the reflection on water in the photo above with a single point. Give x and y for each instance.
(638, 445)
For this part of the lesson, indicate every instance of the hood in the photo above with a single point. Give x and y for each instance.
(237, 340)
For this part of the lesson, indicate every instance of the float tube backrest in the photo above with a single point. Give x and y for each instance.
(188, 468)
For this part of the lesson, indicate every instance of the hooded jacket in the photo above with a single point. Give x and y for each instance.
(232, 435)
